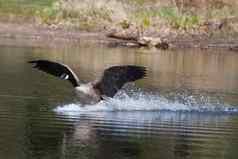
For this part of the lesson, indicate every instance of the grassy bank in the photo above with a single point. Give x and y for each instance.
(24, 10)
(194, 16)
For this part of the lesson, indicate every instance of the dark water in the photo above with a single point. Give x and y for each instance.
(187, 107)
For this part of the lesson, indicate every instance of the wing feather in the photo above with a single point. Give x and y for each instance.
(56, 69)
(115, 77)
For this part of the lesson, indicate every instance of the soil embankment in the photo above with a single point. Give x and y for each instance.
(41, 36)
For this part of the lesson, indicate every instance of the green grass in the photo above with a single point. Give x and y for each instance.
(25, 8)
(179, 20)
(53, 12)
(89, 14)
(85, 17)
(169, 15)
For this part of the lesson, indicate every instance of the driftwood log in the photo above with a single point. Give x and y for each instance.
(153, 42)
(133, 36)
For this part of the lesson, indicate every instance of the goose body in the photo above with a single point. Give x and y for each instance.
(87, 94)
(112, 79)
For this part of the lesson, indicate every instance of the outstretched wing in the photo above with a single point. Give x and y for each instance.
(115, 77)
(59, 70)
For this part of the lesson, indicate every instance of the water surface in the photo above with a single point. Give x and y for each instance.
(187, 107)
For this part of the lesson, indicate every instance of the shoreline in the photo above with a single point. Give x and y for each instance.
(45, 36)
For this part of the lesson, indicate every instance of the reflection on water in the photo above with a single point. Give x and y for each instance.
(150, 134)
(40, 118)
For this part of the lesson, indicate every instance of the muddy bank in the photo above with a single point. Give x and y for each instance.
(45, 36)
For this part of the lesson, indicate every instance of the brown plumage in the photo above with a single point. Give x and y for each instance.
(108, 85)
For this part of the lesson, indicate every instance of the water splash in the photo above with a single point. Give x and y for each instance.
(138, 101)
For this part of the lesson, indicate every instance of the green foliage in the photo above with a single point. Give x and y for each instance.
(49, 14)
(170, 15)
(26, 8)
(86, 18)
(90, 13)
(139, 1)
(125, 24)
(146, 22)
(179, 20)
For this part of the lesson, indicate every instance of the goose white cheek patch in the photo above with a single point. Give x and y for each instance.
(64, 76)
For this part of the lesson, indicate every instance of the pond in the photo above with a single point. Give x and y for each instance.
(186, 107)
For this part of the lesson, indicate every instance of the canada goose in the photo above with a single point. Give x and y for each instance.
(110, 82)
